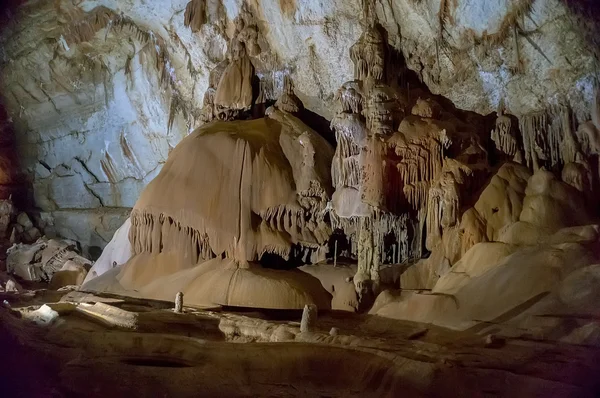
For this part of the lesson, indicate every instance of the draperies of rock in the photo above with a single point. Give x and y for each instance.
(506, 136)
(267, 194)
(195, 14)
(230, 93)
(234, 91)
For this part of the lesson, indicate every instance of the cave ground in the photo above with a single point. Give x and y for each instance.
(107, 345)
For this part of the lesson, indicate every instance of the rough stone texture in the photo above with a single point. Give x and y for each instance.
(93, 228)
(41, 260)
(94, 124)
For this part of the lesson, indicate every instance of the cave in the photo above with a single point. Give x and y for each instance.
(299, 198)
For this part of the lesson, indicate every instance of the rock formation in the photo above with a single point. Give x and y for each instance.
(234, 91)
(90, 120)
(425, 162)
(54, 261)
(400, 185)
(266, 196)
(309, 319)
(394, 174)
(179, 303)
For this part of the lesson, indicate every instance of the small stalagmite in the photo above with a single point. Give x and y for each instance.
(179, 302)
(309, 318)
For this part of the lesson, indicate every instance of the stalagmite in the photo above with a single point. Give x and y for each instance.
(335, 253)
(309, 319)
(179, 303)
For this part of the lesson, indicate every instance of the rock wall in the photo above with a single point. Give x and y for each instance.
(99, 92)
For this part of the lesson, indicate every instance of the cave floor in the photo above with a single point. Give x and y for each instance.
(81, 344)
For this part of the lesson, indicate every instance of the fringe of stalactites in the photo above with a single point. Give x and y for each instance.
(516, 14)
(85, 29)
(350, 97)
(274, 249)
(382, 225)
(504, 136)
(345, 167)
(306, 225)
(368, 54)
(195, 15)
(156, 234)
(101, 17)
(420, 161)
(417, 194)
(543, 134)
(159, 233)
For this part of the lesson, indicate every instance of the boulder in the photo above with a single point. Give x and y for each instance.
(24, 220)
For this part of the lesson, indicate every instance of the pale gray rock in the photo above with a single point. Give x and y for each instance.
(31, 235)
(41, 260)
(309, 318)
(118, 251)
(24, 220)
(7, 211)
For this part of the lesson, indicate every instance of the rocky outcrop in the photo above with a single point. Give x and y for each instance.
(527, 246)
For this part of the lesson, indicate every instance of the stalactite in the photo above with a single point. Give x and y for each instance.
(368, 54)
(195, 15)
(350, 96)
(288, 101)
(234, 91)
(543, 135)
(154, 234)
(505, 136)
(381, 109)
(208, 112)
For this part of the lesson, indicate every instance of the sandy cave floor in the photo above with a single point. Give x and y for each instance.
(141, 348)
